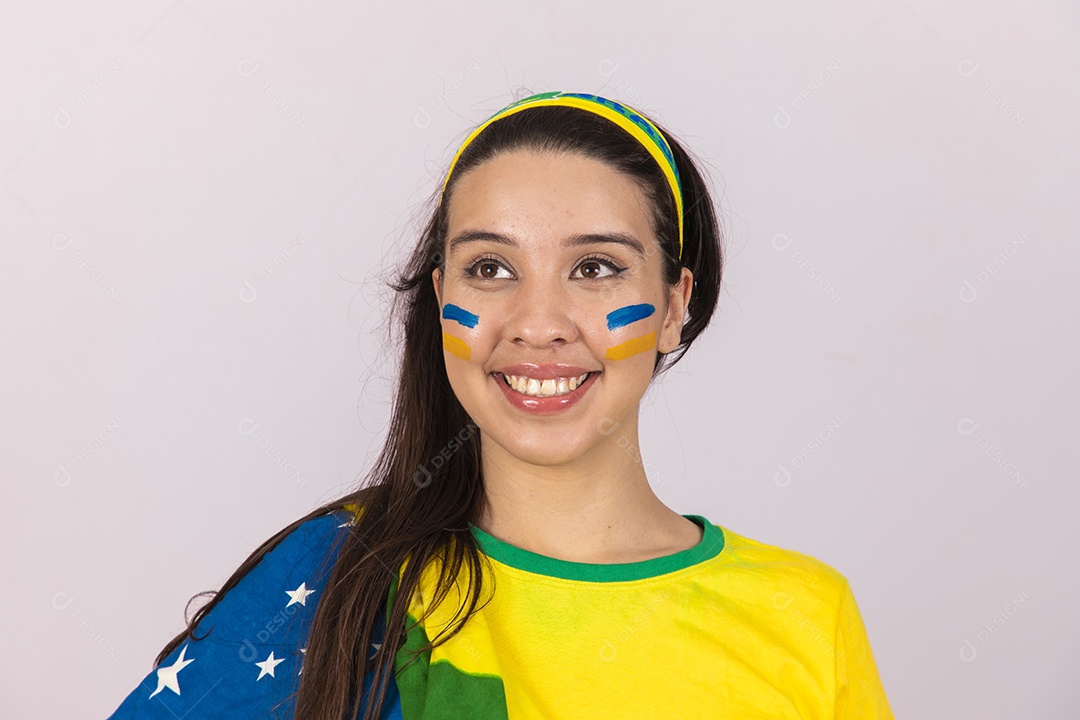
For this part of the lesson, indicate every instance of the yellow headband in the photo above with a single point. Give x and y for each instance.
(630, 120)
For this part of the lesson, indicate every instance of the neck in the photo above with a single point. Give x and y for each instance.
(595, 508)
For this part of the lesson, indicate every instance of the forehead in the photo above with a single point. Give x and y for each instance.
(526, 191)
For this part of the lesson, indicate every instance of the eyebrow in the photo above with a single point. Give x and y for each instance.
(617, 238)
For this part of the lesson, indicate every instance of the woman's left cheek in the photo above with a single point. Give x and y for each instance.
(619, 324)
(462, 322)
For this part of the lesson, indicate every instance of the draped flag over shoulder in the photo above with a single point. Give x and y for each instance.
(249, 665)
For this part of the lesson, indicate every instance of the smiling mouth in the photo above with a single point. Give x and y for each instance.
(550, 387)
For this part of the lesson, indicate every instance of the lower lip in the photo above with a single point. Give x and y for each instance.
(547, 405)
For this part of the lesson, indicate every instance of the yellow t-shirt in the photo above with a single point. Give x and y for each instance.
(730, 628)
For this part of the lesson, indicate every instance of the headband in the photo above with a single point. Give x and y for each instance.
(630, 120)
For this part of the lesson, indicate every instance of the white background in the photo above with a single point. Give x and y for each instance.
(198, 205)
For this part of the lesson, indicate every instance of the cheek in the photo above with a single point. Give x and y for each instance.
(623, 335)
(460, 328)
(628, 335)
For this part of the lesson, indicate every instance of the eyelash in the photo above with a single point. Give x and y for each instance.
(616, 270)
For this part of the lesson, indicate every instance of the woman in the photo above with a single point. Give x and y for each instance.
(509, 535)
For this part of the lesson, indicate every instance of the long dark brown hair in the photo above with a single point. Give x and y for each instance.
(418, 509)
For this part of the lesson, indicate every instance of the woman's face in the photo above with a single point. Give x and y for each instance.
(553, 303)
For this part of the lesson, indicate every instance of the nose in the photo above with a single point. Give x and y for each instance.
(539, 315)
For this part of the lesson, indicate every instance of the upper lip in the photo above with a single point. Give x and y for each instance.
(544, 371)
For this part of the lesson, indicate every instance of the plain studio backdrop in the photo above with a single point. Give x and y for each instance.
(199, 205)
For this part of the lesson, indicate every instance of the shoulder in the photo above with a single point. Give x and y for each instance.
(247, 651)
(290, 574)
(304, 547)
(812, 605)
(783, 578)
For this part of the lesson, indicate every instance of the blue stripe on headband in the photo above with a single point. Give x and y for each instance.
(635, 117)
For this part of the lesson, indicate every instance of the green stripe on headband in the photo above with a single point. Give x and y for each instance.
(639, 126)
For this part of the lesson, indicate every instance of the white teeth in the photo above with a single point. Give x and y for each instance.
(544, 388)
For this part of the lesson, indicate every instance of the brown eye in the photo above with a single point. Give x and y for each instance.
(487, 269)
(591, 269)
(597, 269)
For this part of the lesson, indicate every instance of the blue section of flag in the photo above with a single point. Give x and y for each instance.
(250, 661)
(628, 314)
(460, 315)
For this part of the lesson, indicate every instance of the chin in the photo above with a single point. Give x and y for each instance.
(545, 448)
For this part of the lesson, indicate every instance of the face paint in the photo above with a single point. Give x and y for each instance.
(625, 316)
(629, 314)
(461, 315)
(456, 346)
(631, 347)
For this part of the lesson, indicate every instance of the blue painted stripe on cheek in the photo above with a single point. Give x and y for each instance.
(628, 314)
(460, 315)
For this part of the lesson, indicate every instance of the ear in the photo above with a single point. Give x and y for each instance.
(436, 278)
(678, 301)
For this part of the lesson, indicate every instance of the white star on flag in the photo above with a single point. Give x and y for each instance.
(299, 595)
(166, 676)
(267, 666)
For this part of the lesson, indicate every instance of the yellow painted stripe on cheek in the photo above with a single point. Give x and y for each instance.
(631, 347)
(456, 346)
